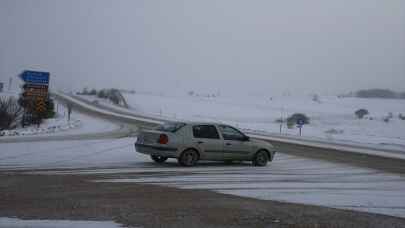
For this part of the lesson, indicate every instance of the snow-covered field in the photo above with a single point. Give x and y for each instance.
(331, 118)
(288, 178)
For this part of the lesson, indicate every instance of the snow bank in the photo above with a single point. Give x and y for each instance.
(78, 124)
(48, 127)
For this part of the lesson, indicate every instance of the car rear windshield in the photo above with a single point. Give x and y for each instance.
(170, 127)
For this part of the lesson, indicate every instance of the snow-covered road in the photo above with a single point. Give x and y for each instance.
(287, 178)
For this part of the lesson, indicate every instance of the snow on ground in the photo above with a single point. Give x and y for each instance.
(288, 178)
(332, 118)
(89, 124)
(78, 124)
(19, 223)
(68, 154)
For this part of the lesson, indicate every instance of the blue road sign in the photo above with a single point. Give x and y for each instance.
(300, 122)
(35, 77)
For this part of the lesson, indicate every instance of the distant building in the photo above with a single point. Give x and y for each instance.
(1, 87)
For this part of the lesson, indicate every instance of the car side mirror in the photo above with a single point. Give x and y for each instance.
(246, 138)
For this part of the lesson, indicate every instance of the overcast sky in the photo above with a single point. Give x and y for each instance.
(324, 46)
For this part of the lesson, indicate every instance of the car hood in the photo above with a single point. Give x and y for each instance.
(262, 144)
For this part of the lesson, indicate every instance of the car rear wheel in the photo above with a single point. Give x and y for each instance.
(260, 158)
(158, 159)
(228, 162)
(188, 158)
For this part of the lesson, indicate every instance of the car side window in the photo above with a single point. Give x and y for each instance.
(230, 133)
(205, 131)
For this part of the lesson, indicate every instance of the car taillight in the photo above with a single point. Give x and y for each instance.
(163, 139)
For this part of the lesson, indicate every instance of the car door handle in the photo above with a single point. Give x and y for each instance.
(200, 142)
(228, 144)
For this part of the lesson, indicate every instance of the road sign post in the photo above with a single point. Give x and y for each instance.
(35, 94)
(300, 124)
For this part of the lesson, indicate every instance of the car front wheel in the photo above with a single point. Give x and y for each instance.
(260, 158)
(158, 159)
(188, 158)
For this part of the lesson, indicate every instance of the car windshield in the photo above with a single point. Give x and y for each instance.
(170, 127)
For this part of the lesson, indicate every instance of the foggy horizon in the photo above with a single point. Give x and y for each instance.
(255, 47)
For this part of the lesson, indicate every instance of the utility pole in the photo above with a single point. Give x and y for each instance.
(10, 83)
(69, 106)
(281, 119)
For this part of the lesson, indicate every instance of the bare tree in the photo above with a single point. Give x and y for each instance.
(10, 111)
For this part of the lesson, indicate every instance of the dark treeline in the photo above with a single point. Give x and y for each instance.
(379, 93)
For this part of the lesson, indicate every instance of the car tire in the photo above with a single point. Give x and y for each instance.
(228, 162)
(158, 159)
(261, 158)
(188, 158)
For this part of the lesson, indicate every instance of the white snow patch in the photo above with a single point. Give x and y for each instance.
(20, 223)
(69, 154)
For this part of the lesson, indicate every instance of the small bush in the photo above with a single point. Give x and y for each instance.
(316, 98)
(102, 93)
(50, 109)
(10, 111)
(388, 117)
(114, 99)
(292, 120)
(334, 131)
(93, 92)
(85, 91)
(361, 113)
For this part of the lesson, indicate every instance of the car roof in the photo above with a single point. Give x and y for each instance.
(199, 123)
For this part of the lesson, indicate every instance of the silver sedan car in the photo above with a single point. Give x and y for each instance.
(193, 141)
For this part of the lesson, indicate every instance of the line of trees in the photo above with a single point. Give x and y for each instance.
(380, 93)
(114, 95)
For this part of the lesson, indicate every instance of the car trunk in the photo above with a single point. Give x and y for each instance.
(152, 137)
